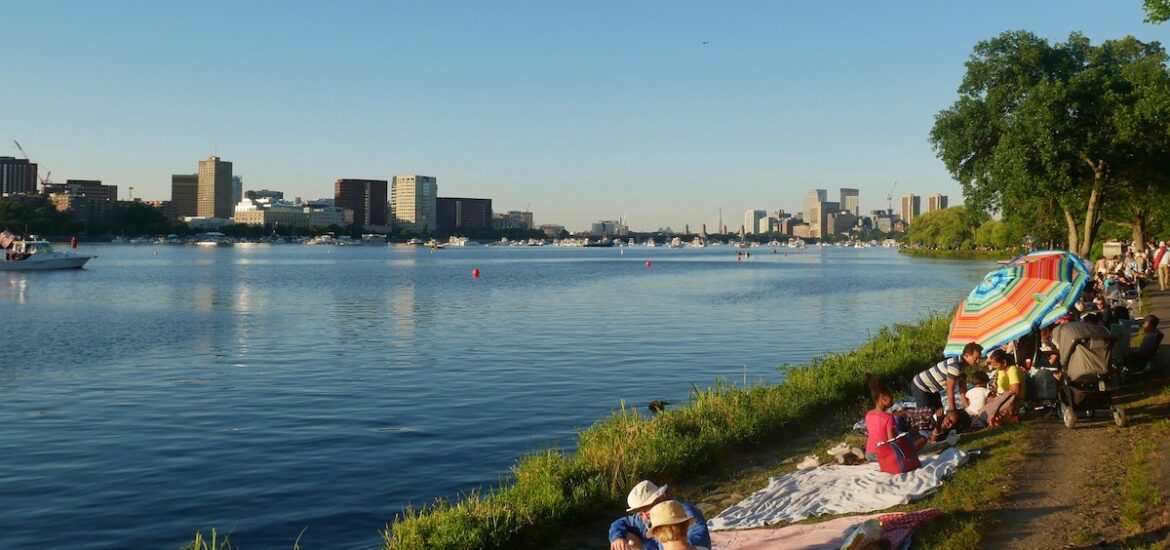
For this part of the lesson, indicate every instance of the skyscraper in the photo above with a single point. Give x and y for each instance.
(851, 201)
(237, 190)
(214, 198)
(911, 206)
(936, 202)
(814, 196)
(185, 194)
(17, 176)
(413, 199)
(367, 199)
(751, 220)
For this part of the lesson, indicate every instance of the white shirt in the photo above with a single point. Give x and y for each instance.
(977, 396)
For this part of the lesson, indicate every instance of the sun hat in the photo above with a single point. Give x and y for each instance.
(644, 494)
(670, 512)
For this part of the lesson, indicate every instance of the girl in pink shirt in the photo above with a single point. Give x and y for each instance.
(879, 424)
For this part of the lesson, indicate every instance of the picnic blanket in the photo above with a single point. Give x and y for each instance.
(897, 529)
(831, 490)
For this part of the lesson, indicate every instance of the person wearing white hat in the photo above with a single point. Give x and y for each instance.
(634, 530)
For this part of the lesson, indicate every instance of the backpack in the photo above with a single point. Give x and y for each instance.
(898, 455)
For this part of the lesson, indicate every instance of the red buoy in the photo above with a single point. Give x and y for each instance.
(475, 272)
(647, 263)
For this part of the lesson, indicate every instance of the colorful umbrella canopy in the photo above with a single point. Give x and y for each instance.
(1030, 292)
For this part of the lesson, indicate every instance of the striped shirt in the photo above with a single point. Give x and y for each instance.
(934, 379)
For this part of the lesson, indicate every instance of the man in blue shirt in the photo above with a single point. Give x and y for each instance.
(635, 528)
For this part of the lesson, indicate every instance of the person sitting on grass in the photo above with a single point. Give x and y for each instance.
(879, 423)
(949, 375)
(1009, 376)
(633, 531)
(977, 395)
(1138, 359)
(670, 523)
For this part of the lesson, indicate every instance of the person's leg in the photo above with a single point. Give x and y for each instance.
(921, 398)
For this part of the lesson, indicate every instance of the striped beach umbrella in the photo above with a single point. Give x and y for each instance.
(1030, 292)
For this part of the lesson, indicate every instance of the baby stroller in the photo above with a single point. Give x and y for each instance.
(1086, 382)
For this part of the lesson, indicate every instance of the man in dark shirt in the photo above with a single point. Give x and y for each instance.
(1148, 350)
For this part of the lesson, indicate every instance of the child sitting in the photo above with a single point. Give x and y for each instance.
(977, 395)
(879, 424)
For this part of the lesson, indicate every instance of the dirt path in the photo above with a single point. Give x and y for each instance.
(1070, 493)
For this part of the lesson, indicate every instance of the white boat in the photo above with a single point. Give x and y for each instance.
(676, 243)
(457, 241)
(214, 238)
(35, 255)
(650, 242)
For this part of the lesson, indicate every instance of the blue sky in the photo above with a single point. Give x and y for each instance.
(585, 110)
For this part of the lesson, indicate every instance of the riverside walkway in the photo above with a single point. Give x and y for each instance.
(1074, 490)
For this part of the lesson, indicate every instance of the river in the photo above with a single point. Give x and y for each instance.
(263, 390)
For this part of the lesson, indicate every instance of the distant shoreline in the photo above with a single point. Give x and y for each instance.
(945, 254)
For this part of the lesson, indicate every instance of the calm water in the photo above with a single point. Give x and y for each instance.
(267, 389)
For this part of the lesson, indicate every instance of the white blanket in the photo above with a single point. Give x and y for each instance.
(831, 490)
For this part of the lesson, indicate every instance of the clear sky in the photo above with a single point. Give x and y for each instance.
(662, 112)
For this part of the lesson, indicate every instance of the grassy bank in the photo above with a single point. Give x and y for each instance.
(550, 489)
(989, 255)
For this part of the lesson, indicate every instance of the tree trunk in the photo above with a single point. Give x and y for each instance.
(1071, 223)
(1093, 208)
(1141, 222)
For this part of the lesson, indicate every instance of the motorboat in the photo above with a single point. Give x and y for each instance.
(34, 254)
(214, 238)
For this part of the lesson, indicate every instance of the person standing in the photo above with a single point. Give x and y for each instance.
(1162, 262)
(949, 375)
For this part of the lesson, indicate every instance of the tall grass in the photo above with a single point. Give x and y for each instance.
(943, 254)
(549, 488)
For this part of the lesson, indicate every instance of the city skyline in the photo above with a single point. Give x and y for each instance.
(692, 109)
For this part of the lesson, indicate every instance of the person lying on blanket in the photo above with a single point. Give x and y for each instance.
(634, 531)
(928, 426)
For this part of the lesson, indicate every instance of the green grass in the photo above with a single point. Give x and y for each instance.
(549, 489)
(990, 255)
(211, 541)
(1139, 488)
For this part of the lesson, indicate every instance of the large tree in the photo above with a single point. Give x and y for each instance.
(1035, 119)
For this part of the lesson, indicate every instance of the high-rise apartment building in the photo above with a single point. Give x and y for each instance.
(911, 207)
(185, 195)
(214, 199)
(851, 201)
(818, 218)
(413, 201)
(814, 196)
(936, 202)
(17, 176)
(367, 199)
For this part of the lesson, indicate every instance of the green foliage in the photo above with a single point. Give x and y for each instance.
(551, 488)
(1071, 123)
(36, 216)
(1157, 11)
(948, 228)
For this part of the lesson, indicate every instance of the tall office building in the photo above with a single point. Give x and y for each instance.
(814, 196)
(818, 218)
(851, 201)
(413, 199)
(454, 213)
(936, 202)
(237, 190)
(367, 199)
(17, 176)
(214, 198)
(911, 206)
(751, 220)
(185, 195)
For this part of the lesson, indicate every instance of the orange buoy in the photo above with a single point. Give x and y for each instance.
(475, 273)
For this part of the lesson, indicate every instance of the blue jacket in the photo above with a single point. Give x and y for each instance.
(697, 535)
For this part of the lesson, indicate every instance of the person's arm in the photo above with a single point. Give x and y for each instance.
(951, 384)
(625, 527)
(697, 534)
(1013, 380)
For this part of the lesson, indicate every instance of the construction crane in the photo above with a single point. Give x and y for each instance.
(45, 180)
(890, 199)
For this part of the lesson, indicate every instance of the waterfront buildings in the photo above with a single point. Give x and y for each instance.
(936, 202)
(911, 206)
(282, 214)
(412, 200)
(185, 195)
(751, 221)
(17, 176)
(367, 199)
(552, 230)
(851, 201)
(609, 228)
(237, 189)
(264, 194)
(88, 189)
(214, 197)
(457, 213)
